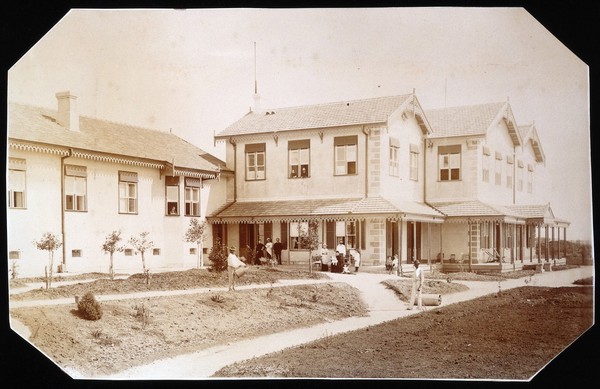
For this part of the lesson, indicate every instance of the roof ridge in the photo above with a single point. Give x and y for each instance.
(339, 102)
(465, 106)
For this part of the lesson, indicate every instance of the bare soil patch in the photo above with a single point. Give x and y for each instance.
(403, 287)
(176, 280)
(137, 331)
(508, 336)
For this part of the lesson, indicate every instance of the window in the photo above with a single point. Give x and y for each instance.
(75, 188)
(529, 178)
(155, 251)
(498, 169)
(509, 171)
(128, 252)
(14, 254)
(394, 150)
(255, 162)
(299, 158)
(192, 196)
(414, 162)
(520, 176)
(172, 195)
(345, 155)
(76, 253)
(296, 229)
(16, 182)
(485, 163)
(128, 192)
(192, 251)
(449, 162)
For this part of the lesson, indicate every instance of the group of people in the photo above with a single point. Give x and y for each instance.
(340, 263)
(269, 252)
(341, 260)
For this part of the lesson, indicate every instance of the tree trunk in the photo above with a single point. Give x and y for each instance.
(50, 270)
(110, 269)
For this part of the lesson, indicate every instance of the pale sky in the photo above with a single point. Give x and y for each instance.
(192, 72)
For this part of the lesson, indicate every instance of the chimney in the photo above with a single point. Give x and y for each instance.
(68, 115)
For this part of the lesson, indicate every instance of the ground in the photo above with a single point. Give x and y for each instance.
(507, 335)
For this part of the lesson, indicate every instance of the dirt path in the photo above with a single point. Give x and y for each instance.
(383, 306)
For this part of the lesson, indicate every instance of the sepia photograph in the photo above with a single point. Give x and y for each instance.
(381, 193)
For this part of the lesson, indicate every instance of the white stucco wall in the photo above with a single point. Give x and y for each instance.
(322, 181)
(86, 231)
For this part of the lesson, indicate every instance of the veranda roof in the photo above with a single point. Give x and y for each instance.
(338, 209)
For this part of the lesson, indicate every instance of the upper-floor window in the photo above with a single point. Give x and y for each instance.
(414, 162)
(449, 162)
(485, 164)
(192, 196)
(509, 171)
(128, 183)
(394, 160)
(255, 161)
(299, 158)
(529, 178)
(75, 188)
(17, 168)
(345, 154)
(498, 169)
(520, 175)
(172, 195)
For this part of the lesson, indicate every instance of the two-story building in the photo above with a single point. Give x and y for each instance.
(481, 175)
(81, 178)
(355, 169)
(453, 185)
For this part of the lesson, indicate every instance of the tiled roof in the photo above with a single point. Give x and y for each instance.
(345, 113)
(531, 211)
(472, 208)
(290, 209)
(34, 124)
(463, 121)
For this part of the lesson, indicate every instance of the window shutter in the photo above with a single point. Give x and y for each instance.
(363, 234)
(453, 149)
(299, 144)
(284, 235)
(345, 140)
(330, 234)
(269, 232)
(255, 147)
(171, 181)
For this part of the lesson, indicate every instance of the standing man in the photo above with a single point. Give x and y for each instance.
(259, 252)
(417, 287)
(277, 248)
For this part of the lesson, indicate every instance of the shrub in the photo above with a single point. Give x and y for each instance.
(218, 257)
(89, 308)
